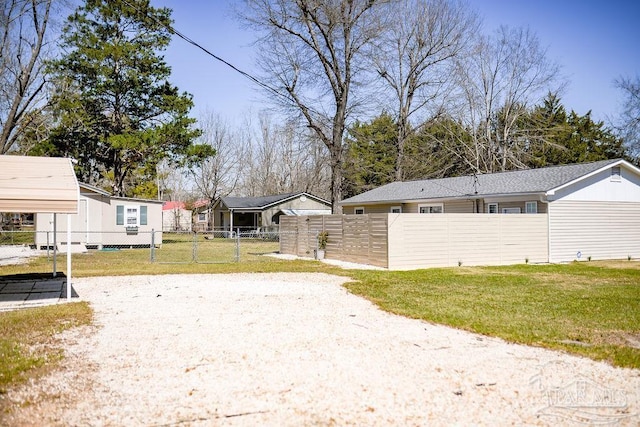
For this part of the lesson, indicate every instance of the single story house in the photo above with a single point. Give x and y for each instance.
(592, 208)
(201, 215)
(175, 217)
(106, 221)
(251, 213)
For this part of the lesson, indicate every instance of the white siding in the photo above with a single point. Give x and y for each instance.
(600, 187)
(601, 230)
(421, 241)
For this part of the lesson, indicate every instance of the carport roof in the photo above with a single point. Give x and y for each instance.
(38, 184)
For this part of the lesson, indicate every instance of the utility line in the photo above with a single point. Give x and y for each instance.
(184, 37)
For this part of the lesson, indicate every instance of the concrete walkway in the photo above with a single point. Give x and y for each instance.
(31, 290)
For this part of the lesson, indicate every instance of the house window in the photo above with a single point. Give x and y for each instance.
(492, 208)
(436, 208)
(615, 174)
(131, 215)
(396, 209)
(202, 217)
(511, 210)
(358, 211)
(531, 207)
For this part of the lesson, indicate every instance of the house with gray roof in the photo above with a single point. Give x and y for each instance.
(252, 213)
(592, 208)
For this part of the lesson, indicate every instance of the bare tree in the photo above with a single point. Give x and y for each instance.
(630, 118)
(218, 176)
(23, 25)
(502, 78)
(284, 158)
(310, 50)
(414, 60)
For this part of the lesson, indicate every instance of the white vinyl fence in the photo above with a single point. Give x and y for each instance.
(412, 241)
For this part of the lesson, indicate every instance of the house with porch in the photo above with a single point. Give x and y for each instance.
(253, 213)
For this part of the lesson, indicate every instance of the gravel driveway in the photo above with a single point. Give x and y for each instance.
(298, 349)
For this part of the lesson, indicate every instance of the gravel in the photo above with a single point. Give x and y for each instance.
(16, 254)
(298, 349)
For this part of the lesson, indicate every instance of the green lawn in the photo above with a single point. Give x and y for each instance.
(589, 308)
(592, 309)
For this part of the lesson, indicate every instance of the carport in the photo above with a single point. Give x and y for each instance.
(41, 185)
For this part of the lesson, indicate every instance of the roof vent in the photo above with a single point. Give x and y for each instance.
(615, 174)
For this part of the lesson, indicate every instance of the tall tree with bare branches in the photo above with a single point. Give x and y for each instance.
(506, 74)
(23, 27)
(413, 59)
(309, 52)
(218, 175)
(284, 158)
(630, 119)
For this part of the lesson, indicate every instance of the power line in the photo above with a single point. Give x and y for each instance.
(184, 37)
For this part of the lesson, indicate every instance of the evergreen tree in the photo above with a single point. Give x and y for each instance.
(371, 155)
(117, 112)
(435, 151)
(569, 138)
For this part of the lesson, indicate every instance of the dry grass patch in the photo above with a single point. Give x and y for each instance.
(28, 345)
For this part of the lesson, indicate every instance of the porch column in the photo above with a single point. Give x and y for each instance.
(55, 244)
(68, 257)
(231, 221)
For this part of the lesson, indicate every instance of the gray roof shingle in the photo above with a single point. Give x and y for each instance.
(502, 183)
(261, 202)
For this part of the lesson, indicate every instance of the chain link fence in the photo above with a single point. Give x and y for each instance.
(221, 246)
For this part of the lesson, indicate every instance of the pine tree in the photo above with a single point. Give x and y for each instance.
(117, 112)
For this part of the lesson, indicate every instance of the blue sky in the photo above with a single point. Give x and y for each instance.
(593, 41)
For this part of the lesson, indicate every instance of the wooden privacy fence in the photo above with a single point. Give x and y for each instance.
(411, 241)
(353, 238)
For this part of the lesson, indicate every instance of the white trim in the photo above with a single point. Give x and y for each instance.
(527, 204)
(431, 205)
(127, 216)
(511, 210)
(359, 208)
(489, 205)
(499, 197)
(398, 208)
(610, 165)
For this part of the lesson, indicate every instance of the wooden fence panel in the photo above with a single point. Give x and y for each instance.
(354, 238)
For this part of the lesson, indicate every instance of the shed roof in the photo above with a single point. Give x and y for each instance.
(526, 181)
(38, 184)
(264, 202)
(170, 205)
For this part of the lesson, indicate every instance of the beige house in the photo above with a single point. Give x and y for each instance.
(252, 213)
(591, 210)
(105, 221)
